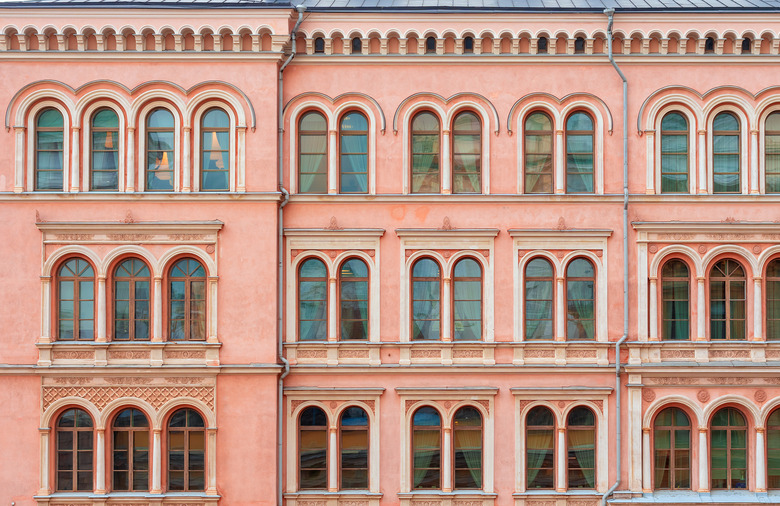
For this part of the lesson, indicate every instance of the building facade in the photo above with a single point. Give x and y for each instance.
(381, 253)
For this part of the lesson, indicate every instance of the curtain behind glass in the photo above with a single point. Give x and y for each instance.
(582, 458)
(538, 299)
(425, 154)
(105, 150)
(773, 450)
(313, 154)
(312, 301)
(675, 307)
(49, 139)
(160, 141)
(426, 445)
(466, 153)
(354, 154)
(725, 154)
(773, 301)
(580, 300)
(467, 301)
(353, 299)
(426, 300)
(539, 450)
(772, 153)
(674, 153)
(538, 146)
(579, 153)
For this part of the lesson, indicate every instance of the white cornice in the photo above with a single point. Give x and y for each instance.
(139, 56)
(327, 232)
(554, 232)
(453, 199)
(707, 227)
(150, 227)
(441, 233)
(445, 392)
(141, 197)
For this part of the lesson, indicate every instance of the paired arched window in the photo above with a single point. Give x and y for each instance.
(426, 300)
(49, 143)
(130, 453)
(467, 300)
(672, 450)
(132, 283)
(773, 300)
(675, 290)
(581, 448)
(313, 153)
(312, 301)
(773, 450)
(426, 153)
(466, 449)
(353, 153)
(466, 153)
(74, 440)
(725, 154)
(772, 153)
(186, 451)
(187, 301)
(580, 299)
(727, 300)
(215, 150)
(314, 449)
(538, 155)
(674, 154)
(540, 449)
(75, 301)
(539, 297)
(160, 142)
(579, 153)
(728, 450)
(353, 300)
(104, 161)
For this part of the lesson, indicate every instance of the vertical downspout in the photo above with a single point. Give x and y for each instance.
(610, 13)
(280, 261)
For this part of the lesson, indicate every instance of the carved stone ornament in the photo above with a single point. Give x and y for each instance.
(760, 396)
(370, 404)
(352, 503)
(561, 224)
(73, 355)
(582, 502)
(653, 248)
(446, 225)
(485, 404)
(183, 354)
(426, 353)
(538, 502)
(730, 381)
(561, 404)
(581, 353)
(648, 395)
(210, 249)
(333, 404)
(467, 503)
(447, 404)
(409, 404)
(673, 381)
(129, 217)
(600, 405)
(702, 249)
(523, 404)
(294, 404)
(353, 353)
(540, 353)
(312, 354)
(703, 395)
(156, 396)
(310, 503)
(466, 353)
(679, 354)
(419, 503)
(730, 354)
(129, 354)
(333, 225)
(756, 249)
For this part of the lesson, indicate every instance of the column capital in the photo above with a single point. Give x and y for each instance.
(157, 430)
(757, 279)
(703, 429)
(653, 279)
(760, 430)
(646, 430)
(187, 129)
(19, 128)
(754, 132)
(701, 132)
(559, 132)
(561, 430)
(701, 279)
(44, 430)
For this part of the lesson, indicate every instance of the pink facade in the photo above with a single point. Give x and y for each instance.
(451, 291)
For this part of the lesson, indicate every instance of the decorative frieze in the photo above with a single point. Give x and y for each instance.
(101, 396)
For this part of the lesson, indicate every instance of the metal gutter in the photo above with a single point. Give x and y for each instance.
(618, 449)
(280, 261)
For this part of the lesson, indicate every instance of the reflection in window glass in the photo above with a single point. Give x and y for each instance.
(186, 451)
(466, 153)
(773, 300)
(579, 153)
(772, 153)
(727, 301)
(215, 150)
(538, 299)
(354, 448)
(540, 449)
(425, 153)
(675, 307)
(580, 299)
(773, 450)
(353, 149)
(467, 448)
(426, 299)
(313, 449)
(538, 146)
(312, 301)
(73, 447)
(130, 455)
(725, 154)
(728, 450)
(353, 299)
(672, 445)
(467, 300)
(426, 449)
(581, 446)
(49, 138)
(187, 295)
(104, 161)
(131, 301)
(76, 301)
(313, 153)
(674, 153)
(159, 150)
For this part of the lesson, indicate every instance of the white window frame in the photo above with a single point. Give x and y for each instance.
(86, 162)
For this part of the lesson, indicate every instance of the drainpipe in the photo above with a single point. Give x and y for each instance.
(610, 13)
(280, 259)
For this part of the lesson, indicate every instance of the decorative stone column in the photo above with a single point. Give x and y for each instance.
(101, 310)
(560, 164)
(560, 311)
(211, 435)
(446, 310)
(333, 461)
(100, 461)
(74, 159)
(19, 160)
(754, 161)
(241, 165)
(560, 461)
(650, 143)
(186, 180)
(333, 153)
(702, 161)
(653, 309)
(332, 310)
(130, 160)
(156, 461)
(46, 313)
(44, 434)
(212, 314)
(701, 311)
(760, 460)
(758, 317)
(647, 458)
(446, 459)
(158, 309)
(704, 461)
(446, 167)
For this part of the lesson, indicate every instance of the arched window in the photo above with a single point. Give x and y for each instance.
(353, 434)
(467, 300)
(187, 317)
(76, 301)
(186, 451)
(727, 301)
(675, 312)
(313, 153)
(581, 446)
(312, 301)
(319, 45)
(215, 150)
(430, 45)
(773, 300)
(353, 153)
(746, 45)
(772, 153)
(160, 142)
(49, 139)
(709, 45)
(74, 451)
(538, 299)
(466, 153)
(728, 450)
(725, 154)
(425, 153)
(130, 454)
(105, 150)
(426, 449)
(579, 153)
(579, 45)
(426, 298)
(468, 45)
(353, 299)
(467, 448)
(580, 299)
(672, 441)
(131, 301)
(357, 45)
(538, 147)
(674, 153)
(541, 45)
(540, 448)
(313, 449)
(773, 450)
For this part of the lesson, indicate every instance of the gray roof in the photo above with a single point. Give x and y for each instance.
(424, 5)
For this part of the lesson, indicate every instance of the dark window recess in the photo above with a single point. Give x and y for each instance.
(357, 45)
(542, 45)
(579, 45)
(468, 45)
(319, 45)
(430, 45)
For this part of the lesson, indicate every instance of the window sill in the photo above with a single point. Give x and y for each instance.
(141, 498)
(703, 351)
(343, 497)
(715, 497)
(136, 353)
(454, 498)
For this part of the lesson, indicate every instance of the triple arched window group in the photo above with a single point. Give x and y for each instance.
(730, 447)
(129, 441)
(157, 161)
(727, 294)
(130, 300)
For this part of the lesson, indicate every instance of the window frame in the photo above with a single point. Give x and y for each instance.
(55, 448)
(299, 132)
(593, 153)
(341, 447)
(141, 154)
(197, 134)
(595, 279)
(438, 155)
(729, 428)
(766, 295)
(327, 300)
(111, 449)
(453, 300)
(771, 428)
(111, 300)
(187, 300)
(555, 442)
(453, 430)
(692, 155)
(479, 143)
(595, 447)
(26, 171)
(440, 428)
(412, 299)
(342, 115)
(76, 289)
(741, 153)
(35, 150)
(764, 152)
(728, 279)
(89, 115)
(299, 431)
(525, 152)
(553, 301)
(673, 428)
(338, 301)
(165, 460)
(662, 307)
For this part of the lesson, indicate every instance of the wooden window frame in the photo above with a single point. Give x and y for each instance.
(771, 279)
(767, 154)
(662, 312)
(549, 133)
(729, 428)
(728, 133)
(187, 430)
(324, 428)
(440, 428)
(412, 279)
(188, 300)
(481, 447)
(325, 155)
(92, 131)
(171, 163)
(552, 300)
(568, 278)
(566, 134)
(339, 291)
(453, 134)
(76, 300)
(341, 448)
(554, 447)
(455, 280)
(132, 280)
(36, 150)
(412, 153)
(728, 279)
(131, 430)
(672, 450)
(771, 428)
(203, 151)
(686, 133)
(326, 281)
(367, 153)
(75, 431)
(595, 427)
